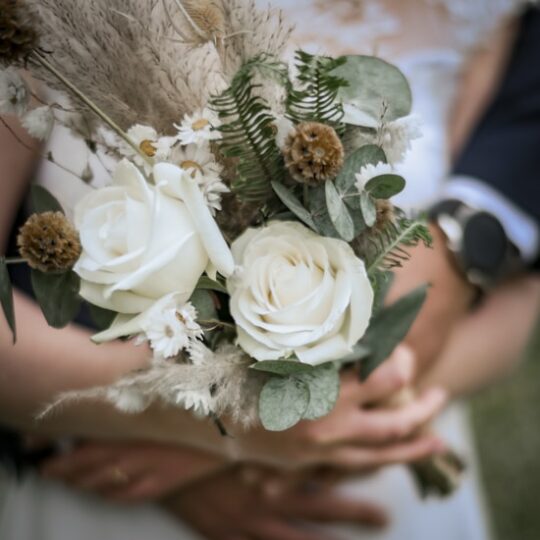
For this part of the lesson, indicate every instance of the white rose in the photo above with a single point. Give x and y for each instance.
(297, 293)
(141, 242)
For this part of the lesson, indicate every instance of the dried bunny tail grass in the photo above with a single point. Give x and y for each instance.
(123, 55)
(235, 387)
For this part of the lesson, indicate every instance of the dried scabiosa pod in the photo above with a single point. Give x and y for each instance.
(18, 37)
(386, 214)
(49, 243)
(313, 153)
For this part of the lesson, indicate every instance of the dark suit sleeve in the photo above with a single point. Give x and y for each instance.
(504, 150)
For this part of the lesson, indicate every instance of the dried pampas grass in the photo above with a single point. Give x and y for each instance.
(234, 387)
(129, 58)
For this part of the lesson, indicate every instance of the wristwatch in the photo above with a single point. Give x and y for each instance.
(477, 242)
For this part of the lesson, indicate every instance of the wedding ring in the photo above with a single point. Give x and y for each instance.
(119, 476)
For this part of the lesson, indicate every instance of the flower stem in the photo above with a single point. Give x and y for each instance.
(89, 103)
(14, 260)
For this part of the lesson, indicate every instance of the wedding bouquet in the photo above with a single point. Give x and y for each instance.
(247, 233)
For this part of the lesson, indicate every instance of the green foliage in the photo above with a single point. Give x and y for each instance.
(43, 201)
(368, 208)
(283, 402)
(378, 89)
(289, 199)
(316, 99)
(385, 186)
(368, 154)
(309, 392)
(209, 284)
(339, 213)
(385, 249)
(102, 318)
(6, 297)
(282, 367)
(389, 327)
(323, 384)
(381, 283)
(58, 296)
(248, 132)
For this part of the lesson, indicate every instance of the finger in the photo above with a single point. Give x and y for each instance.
(326, 507)
(273, 529)
(74, 462)
(144, 488)
(391, 376)
(105, 477)
(369, 458)
(387, 425)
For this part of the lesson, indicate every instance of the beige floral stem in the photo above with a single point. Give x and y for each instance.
(89, 103)
(14, 260)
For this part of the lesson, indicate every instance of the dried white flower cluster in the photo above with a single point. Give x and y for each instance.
(396, 137)
(369, 172)
(189, 149)
(14, 93)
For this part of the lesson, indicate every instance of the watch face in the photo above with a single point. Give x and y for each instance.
(484, 245)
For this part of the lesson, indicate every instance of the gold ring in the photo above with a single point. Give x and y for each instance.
(119, 476)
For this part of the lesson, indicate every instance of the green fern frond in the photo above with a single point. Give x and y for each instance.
(386, 249)
(248, 131)
(316, 100)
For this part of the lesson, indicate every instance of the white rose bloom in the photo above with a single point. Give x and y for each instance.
(199, 128)
(14, 93)
(298, 294)
(141, 242)
(368, 172)
(39, 122)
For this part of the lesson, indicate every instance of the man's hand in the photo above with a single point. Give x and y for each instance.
(130, 472)
(449, 297)
(355, 434)
(226, 507)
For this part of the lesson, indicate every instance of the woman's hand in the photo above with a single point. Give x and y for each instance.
(130, 472)
(230, 507)
(355, 434)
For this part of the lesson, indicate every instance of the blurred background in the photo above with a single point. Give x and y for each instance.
(506, 422)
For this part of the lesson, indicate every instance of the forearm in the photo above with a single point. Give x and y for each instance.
(487, 344)
(45, 362)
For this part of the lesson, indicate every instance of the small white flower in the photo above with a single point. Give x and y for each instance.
(397, 137)
(199, 127)
(283, 127)
(147, 140)
(367, 172)
(203, 168)
(39, 122)
(171, 328)
(14, 93)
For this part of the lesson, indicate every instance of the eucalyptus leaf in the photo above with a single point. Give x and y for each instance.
(6, 297)
(283, 402)
(323, 383)
(102, 318)
(369, 154)
(58, 296)
(282, 367)
(288, 198)
(319, 212)
(381, 281)
(339, 213)
(206, 283)
(369, 209)
(385, 186)
(43, 200)
(389, 327)
(375, 88)
(203, 302)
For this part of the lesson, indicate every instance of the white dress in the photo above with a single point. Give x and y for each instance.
(429, 40)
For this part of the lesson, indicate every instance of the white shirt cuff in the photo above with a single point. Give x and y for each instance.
(520, 228)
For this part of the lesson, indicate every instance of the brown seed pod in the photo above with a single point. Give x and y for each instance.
(313, 153)
(385, 214)
(49, 243)
(18, 37)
